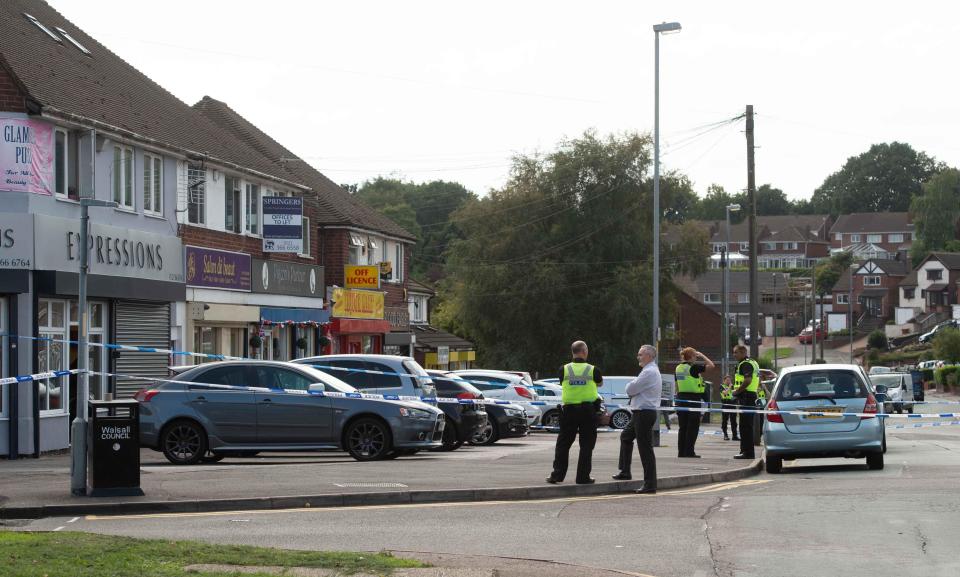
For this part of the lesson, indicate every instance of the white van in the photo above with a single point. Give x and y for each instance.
(614, 393)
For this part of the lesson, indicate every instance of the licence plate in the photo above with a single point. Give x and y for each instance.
(822, 410)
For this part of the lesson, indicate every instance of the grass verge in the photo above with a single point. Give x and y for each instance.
(66, 554)
(782, 353)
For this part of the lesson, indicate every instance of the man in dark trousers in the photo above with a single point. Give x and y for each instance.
(746, 382)
(578, 415)
(644, 392)
(690, 389)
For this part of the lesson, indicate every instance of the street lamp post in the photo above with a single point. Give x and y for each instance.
(775, 364)
(664, 28)
(850, 310)
(78, 429)
(726, 288)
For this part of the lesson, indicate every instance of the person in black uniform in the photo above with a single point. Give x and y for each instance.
(746, 383)
(578, 415)
(690, 391)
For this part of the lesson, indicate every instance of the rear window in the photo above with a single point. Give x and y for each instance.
(453, 386)
(833, 384)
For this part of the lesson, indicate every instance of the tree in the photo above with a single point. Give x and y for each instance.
(772, 201)
(714, 205)
(828, 273)
(946, 345)
(877, 340)
(883, 179)
(935, 213)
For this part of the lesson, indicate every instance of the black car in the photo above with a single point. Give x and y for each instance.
(465, 420)
(504, 421)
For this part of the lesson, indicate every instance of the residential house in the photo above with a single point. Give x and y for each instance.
(880, 235)
(785, 242)
(779, 303)
(928, 295)
(874, 294)
(435, 348)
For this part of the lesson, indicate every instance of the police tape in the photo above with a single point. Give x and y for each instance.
(38, 376)
(815, 413)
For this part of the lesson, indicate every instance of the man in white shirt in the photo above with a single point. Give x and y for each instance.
(644, 392)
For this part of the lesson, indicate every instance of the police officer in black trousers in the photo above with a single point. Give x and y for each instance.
(746, 384)
(578, 415)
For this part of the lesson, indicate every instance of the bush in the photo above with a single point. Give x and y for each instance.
(873, 357)
(839, 333)
(946, 345)
(947, 375)
(927, 376)
(877, 340)
(765, 362)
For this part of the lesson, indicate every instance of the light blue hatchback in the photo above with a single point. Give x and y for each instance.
(832, 389)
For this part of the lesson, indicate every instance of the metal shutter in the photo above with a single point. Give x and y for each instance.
(144, 324)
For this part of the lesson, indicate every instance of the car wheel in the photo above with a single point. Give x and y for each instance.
(184, 443)
(212, 457)
(774, 464)
(874, 461)
(884, 441)
(620, 420)
(451, 440)
(551, 419)
(910, 409)
(488, 435)
(368, 439)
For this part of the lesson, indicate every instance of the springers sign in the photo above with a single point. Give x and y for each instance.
(283, 224)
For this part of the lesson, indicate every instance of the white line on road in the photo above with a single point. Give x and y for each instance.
(59, 528)
(74, 520)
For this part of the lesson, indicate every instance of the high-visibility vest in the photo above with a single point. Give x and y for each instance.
(578, 384)
(754, 381)
(726, 392)
(687, 383)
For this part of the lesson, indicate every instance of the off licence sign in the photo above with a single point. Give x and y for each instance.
(361, 277)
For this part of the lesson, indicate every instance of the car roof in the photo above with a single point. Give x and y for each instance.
(821, 367)
(358, 356)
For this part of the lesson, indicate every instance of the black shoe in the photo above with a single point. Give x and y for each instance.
(621, 477)
(587, 481)
(646, 490)
(690, 456)
(553, 481)
(742, 456)
(726, 437)
(736, 438)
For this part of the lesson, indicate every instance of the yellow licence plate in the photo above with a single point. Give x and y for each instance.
(823, 410)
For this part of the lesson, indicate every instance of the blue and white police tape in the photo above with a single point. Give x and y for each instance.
(920, 425)
(38, 376)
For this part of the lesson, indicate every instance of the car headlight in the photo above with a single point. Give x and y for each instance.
(415, 413)
(513, 412)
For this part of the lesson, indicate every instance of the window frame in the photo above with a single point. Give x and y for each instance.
(854, 238)
(930, 272)
(398, 266)
(708, 301)
(121, 182)
(232, 201)
(895, 237)
(200, 188)
(252, 220)
(155, 178)
(843, 298)
(874, 238)
(304, 237)
(909, 293)
(874, 279)
(743, 298)
(63, 159)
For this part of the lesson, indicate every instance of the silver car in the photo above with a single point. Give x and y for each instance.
(243, 407)
(823, 389)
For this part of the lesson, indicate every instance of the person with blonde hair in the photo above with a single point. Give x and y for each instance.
(690, 389)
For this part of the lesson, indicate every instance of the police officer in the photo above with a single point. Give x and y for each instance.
(578, 415)
(726, 396)
(746, 384)
(690, 389)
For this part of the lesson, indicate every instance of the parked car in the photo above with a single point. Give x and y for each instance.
(746, 337)
(806, 335)
(899, 391)
(552, 396)
(377, 374)
(828, 388)
(616, 400)
(503, 422)
(878, 370)
(242, 407)
(464, 419)
(929, 336)
(503, 385)
(922, 365)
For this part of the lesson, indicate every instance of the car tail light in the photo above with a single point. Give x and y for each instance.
(524, 392)
(467, 395)
(870, 406)
(772, 418)
(144, 395)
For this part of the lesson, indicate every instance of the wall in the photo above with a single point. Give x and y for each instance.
(335, 250)
(11, 98)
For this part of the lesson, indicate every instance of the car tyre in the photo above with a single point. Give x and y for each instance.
(551, 418)
(875, 461)
(774, 465)
(910, 409)
(451, 439)
(184, 442)
(488, 435)
(620, 420)
(368, 439)
(884, 441)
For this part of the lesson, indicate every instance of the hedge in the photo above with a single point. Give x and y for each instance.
(947, 375)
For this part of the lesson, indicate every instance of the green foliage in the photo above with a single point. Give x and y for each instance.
(946, 345)
(935, 213)
(877, 340)
(947, 375)
(829, 272)
(563, 252)
(883, 179)
(873, 356)
(772, 201)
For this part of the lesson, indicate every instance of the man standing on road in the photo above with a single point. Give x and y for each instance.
(690, 388)
(644, 392)
(578, 415)
(726, 395)
(746, 383)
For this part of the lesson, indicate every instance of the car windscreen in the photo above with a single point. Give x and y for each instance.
(890, 381)
(327, 379)
(414, 368)
(825, 384)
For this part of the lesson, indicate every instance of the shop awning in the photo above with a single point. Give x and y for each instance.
(278, 315)
(430, 338)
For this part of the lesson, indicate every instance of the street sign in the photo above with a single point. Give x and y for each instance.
(283, 224)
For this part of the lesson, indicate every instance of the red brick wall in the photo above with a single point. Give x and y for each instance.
(11, 98)
(335, 247)
(698, 326)
(207, 238)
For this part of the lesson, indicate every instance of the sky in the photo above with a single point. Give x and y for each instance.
(452, 90)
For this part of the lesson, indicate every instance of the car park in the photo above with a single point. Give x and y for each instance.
(504, 421)
(899, 391)
(929, 336)
(243, 407)
(507, 386)
(829, 389)
(614, 394)
(467, 416)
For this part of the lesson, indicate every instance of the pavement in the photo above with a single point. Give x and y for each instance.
(512, 469)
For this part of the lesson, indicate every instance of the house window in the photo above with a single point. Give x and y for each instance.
(61, 150)
(843, 298)
(934, 274)
(305, 237)
(743, 298)
(838, 236)
(357, 248)
(398, 265)
(373, 248)
(909, 293)
(874, 238)
(895, 238)
(711, 298)
(252, 212)
(769, 246)
(871, 281)
(231, 204)
(854, 238)
(152, 184)
(196, 194)
(123, 176)
(744, 246)
(718, 247)
(418, 310)
(790, 246)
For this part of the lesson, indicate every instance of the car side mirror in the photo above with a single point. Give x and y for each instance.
(317, 388)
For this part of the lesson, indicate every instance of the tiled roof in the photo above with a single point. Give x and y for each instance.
(800, 221)
(951, 260)
(910, 280)
(430, 337)
(892, 267)
(861, 222)
(103, 88)
(419, 287)
(712, 282)
(336, 206)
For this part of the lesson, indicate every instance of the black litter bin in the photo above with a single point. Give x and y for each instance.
(917, 380)
(113, 449)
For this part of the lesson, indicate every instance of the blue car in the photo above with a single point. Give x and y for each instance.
(823, 389)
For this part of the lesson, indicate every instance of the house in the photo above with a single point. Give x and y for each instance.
(780, 302)
(874, 294)
(785, 241)
(435, 348)
(936, 280)
(873, 234)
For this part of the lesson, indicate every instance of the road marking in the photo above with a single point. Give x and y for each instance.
(680, 492)
(58, 528)
(74, 520)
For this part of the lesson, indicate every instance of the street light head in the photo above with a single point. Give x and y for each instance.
(666, 27)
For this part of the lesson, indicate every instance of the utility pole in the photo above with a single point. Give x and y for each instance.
(752, 215)
(724, 324)
(814, 317)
